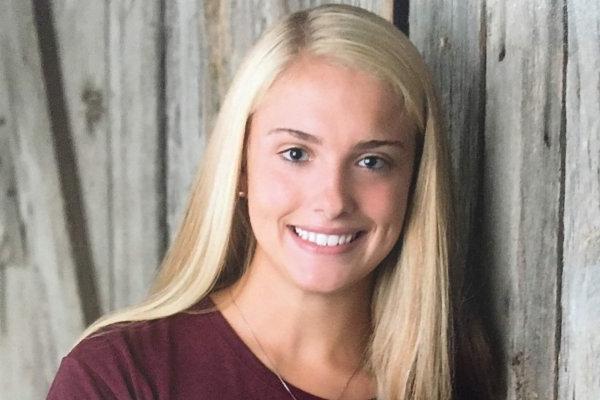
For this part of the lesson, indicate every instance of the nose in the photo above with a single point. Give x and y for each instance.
(333, 197)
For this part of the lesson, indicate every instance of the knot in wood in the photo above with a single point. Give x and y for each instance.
(94, 107)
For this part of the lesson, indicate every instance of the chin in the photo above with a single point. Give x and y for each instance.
(326, 283)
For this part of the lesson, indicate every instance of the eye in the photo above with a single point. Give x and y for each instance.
(373, 162)
(295, 154)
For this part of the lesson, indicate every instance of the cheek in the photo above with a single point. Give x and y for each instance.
(271, 193)
(387, 203)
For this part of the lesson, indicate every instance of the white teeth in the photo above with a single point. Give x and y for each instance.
(322, 239)
(333, 240)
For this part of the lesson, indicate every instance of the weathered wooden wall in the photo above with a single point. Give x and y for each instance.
(104, 112)
(579, 358)
(40, 297)
(522, 187)
(520, 86)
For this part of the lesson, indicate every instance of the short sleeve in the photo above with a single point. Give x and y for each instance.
(101, 367)
(74, 380)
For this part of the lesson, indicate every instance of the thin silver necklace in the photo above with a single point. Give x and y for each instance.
(273, 366)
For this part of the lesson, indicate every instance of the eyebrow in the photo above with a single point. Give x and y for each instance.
(298, 134)
(366, 145)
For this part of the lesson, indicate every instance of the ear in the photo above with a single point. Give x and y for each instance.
(243, 182)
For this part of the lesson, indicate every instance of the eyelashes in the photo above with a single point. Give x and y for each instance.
(372, 162)
(295, 154)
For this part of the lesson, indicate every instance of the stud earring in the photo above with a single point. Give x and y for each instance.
(241, 193)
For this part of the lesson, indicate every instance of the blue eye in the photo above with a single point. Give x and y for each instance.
(373, 162)
(295, 154)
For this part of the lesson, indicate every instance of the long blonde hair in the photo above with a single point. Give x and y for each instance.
(412, 314)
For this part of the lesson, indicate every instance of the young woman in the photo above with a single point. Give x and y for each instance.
(315, 257)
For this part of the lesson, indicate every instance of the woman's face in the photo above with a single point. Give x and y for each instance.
(329, 162)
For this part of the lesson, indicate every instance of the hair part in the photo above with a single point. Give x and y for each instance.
(411, 345)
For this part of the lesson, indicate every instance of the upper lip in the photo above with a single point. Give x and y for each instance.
(328, 230)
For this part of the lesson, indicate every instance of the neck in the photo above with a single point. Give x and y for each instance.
(295, 324)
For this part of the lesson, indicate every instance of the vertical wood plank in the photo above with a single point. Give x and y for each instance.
(113, 83)
(12, 251)
(43, 310)
(81, 31)
(11, 239)
(188, 97)
(206, 41)
(580, 348)
(522, 186)
(136, 146)
(449, 36)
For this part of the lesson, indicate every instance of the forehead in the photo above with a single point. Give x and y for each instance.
(319, 96)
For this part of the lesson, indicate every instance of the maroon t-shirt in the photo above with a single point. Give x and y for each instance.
(189, 355)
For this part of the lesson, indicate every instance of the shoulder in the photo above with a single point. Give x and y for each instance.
(146, 342)
(135, 359)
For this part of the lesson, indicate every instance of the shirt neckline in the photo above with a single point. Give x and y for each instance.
(247, 356)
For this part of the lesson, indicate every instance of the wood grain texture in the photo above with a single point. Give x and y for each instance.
(11, 224)
(81, 31)
(451, 38)
(43, 307)
(136, 146)
(188, 96)
(12, 250)
(522, 187)
(112, 87)
(580, 347)
(206, 41)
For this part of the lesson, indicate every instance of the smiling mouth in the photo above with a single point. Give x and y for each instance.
(324, 240)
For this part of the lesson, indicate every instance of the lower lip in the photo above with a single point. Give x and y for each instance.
(331, 250)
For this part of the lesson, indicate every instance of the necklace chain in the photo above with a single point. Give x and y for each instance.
(273, 365)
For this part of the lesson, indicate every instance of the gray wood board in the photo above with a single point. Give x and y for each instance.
(136, 146)
(579, 377)
(112, 87)
(12, 262)
(189, 102)
(84, 64)
(522, 188)
(41, 295)
(449, 35)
